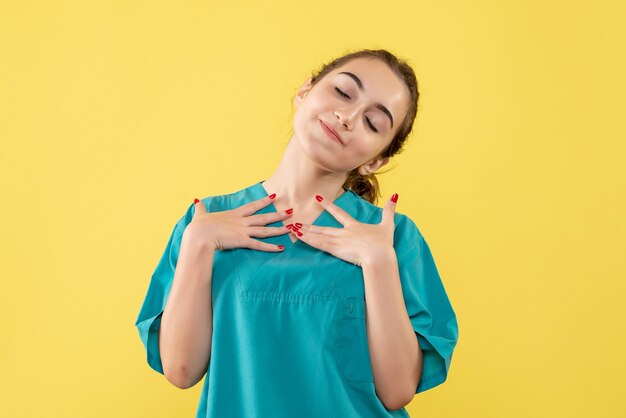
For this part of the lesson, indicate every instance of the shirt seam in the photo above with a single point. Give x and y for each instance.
(235, 250)
(407, 252)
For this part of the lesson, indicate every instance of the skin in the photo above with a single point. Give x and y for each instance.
(314, 164)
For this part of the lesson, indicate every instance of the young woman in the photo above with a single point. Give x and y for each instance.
(335, 308)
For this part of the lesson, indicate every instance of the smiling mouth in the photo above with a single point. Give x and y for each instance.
(330, 133)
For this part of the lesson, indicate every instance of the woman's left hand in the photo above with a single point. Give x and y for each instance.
(356, 242)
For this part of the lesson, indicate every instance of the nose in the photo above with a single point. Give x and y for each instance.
(344, 117)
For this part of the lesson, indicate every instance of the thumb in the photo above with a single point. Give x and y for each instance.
(199, 206)
(389, 209)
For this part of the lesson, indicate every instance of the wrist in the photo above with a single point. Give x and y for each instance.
(381, 254)
(197, 242)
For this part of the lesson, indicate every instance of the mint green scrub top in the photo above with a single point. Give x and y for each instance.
(289, 331)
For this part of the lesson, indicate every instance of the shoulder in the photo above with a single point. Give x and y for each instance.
(403, 222)
(406, 227)
(362, 210)
(407, 235)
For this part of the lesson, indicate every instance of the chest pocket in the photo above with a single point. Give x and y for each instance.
(353, 355)
(299, 270)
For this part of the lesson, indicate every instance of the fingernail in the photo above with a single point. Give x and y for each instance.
(299, 233)
(281, 246)
(289, 210)
(319, 198)
(298, 224)
(273, 195)
(195, 201)
(394, 198)
(289, 226)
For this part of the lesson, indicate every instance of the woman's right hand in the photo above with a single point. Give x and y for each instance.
(235, 228)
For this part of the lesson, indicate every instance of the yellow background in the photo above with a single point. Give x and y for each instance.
(115, 115)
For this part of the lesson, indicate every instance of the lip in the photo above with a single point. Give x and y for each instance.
(331, 132)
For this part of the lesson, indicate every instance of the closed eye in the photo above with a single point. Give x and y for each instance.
(371, 126)
(368, 121)
(342, 93)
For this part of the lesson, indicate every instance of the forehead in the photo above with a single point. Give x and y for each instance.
(379, 82)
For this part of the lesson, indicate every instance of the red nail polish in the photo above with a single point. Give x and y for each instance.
(394, 198)
(319, 198)
(273, 195)
(195, 201)
(289, 226)
(299, 233)
(298, 224)
(281, 246)
(289, 210)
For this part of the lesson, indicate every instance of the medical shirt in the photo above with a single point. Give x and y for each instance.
(289, 330)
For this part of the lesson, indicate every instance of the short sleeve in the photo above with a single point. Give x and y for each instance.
(427, 304)
(149, 319)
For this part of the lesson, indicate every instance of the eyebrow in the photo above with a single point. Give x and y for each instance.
(358, 82)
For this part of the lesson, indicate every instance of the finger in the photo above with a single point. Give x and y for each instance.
(389, 210)
(199, 206)
(323, 230)
(341, 215)
(254, 244)
(253, 207)
(319, 241)
(267, 231)
(266, 218)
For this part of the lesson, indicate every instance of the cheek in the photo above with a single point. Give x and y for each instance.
(364, 146)
(300, 116)
(307, 113)
(362, 153)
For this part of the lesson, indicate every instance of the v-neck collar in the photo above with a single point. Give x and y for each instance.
(321, 220)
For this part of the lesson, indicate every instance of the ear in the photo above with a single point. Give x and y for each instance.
(302, 92)
(373, 165)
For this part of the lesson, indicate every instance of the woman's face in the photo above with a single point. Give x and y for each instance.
(364, 101)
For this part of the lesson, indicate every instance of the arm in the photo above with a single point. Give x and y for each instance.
(394, 349)
(187, 323)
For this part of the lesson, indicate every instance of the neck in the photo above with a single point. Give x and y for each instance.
(297, 179)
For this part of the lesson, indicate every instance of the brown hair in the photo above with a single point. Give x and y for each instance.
(367, 186)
